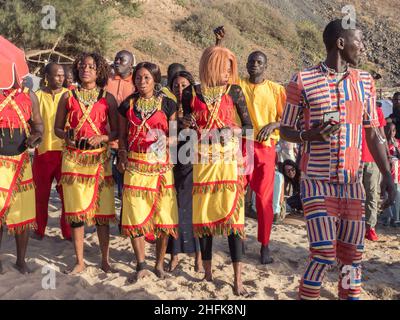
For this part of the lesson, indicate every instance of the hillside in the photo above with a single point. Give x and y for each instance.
(289, 31)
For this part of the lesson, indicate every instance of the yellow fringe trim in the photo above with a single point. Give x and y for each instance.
(168, 231)
(67, 179)
(149, 169)
(221, 229)
(26, 187)
(20, 229)
(133, 233)
(8, 164)
(87, 159)
(214, 188)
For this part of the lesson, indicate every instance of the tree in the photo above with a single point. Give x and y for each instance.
(80, 25)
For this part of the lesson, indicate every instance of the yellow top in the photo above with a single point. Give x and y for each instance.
(48, 109)
(265, 102)
(168, 93)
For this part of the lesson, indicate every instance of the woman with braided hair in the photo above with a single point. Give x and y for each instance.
(149, 200)
(86, 176)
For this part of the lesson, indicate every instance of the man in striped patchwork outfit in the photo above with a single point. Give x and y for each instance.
(331, 103)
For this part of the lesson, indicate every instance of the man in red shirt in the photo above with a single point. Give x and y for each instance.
(371, 179)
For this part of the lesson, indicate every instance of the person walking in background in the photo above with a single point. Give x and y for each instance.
(392, 214)
(371, 180)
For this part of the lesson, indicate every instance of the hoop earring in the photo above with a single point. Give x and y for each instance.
(157, 88)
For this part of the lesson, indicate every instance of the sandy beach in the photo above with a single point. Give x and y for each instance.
(381, 268)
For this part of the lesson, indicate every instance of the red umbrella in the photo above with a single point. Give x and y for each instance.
(12, 64)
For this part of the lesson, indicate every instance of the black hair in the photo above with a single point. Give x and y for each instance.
(259, 53)
(49, 66)
(184, 74)
(130, 54)
(173, 68)
(333, 31)
(397, 93)
(102, 68)
(150, 67)
(296, 181)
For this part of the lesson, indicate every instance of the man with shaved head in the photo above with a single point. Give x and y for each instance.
(121, 86)
(47, 158)
(331, 103)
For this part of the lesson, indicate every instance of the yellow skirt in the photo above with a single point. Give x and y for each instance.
(88, 186)
(17, 193)
(149, 202)
(218, 196)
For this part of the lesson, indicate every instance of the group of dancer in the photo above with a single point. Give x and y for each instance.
(187, 204)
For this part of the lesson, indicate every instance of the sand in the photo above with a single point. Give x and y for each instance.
(278, 280)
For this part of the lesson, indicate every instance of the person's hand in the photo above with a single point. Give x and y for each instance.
(33, 140)
(188, 121)
(97, 140)
(320, 132)
(388, 187)
(122, 160)
(160, 146)
(219, 33)
(266, 131)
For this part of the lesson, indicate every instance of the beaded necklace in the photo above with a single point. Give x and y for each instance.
(147, 107)
(87, 97)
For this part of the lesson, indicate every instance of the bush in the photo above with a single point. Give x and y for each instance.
(158, 49)
(311, 44)
(198, 29)
(81, 25)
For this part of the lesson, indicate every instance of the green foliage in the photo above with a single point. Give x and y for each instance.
(310, 42)
(259, 23)
(182, 3)
(198, 29)
(81, 25)
(157, 49)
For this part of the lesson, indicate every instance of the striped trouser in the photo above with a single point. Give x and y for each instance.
(335, 226)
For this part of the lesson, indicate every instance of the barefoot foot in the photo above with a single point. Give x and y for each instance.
(105, 266)
(208, 277)
(138, 275)
(160, 273)
(173, 264)
(22, 267)
(239, 290)
(78, 268)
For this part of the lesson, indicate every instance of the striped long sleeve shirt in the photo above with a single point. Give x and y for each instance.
(317, 90)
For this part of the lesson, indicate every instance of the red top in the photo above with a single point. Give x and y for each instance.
(366, 155)
(394, 161)
(140, 138)
(8, 115)
(98, 116)
(226, 115)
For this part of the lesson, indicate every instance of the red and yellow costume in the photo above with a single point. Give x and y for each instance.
(86, 176)
(17, 194)
(149, 198)
(218, 195)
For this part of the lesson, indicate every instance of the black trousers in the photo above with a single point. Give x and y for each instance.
(235, 247)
